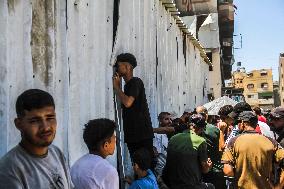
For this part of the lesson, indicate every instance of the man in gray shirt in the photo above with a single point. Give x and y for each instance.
(34, 162)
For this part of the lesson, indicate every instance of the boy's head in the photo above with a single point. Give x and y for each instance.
(99, 136)
(125, 63)
(141, 160)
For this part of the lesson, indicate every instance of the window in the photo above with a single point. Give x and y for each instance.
(282, 88)
(250, 96)
(263, 73)
(250, 86)
(249, 74)
(264, 85)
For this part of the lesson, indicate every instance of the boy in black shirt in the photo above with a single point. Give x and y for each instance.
(137, 126)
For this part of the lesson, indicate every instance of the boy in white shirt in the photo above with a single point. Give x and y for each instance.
(93, 171)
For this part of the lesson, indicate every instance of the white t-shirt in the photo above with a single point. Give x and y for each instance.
(265, 130)
(94, 172)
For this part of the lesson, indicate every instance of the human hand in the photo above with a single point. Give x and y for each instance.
(209, 163)
(127, 179)
(222, 126)
(116, 81)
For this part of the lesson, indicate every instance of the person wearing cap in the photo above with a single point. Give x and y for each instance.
(249, 157)
(276, 122)
(262, 127)
(187, 157)
(137, 125)
(238, 108)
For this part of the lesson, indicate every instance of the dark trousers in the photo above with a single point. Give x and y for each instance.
(216, 178)
(147, 144)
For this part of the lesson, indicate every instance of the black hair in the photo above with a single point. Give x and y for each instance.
(253, 123)
(257, 110)
(162, 115)
(225, 110)
(198, 120)
(142, 158)
(126, 57)
(33, 99)
(242, 106)
(213, 119)
(97, 132)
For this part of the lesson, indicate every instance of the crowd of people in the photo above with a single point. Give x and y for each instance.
(238, 148)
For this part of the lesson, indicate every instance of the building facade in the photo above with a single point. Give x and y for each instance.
(258, 88)
(238, 77)
(281, 78)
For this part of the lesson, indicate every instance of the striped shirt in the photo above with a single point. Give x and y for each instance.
(264, 128)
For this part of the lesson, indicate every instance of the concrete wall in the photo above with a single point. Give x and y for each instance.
(67, 48)
(215, 82)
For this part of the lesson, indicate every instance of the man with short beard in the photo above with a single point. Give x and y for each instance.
(34, 162)
(161, 143)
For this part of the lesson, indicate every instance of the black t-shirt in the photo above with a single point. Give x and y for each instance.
(136, 119)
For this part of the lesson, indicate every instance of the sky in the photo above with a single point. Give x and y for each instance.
(261, 24)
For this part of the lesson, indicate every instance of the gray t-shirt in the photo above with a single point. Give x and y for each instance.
(18, 169)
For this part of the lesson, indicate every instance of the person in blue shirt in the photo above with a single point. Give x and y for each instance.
(141, 166)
